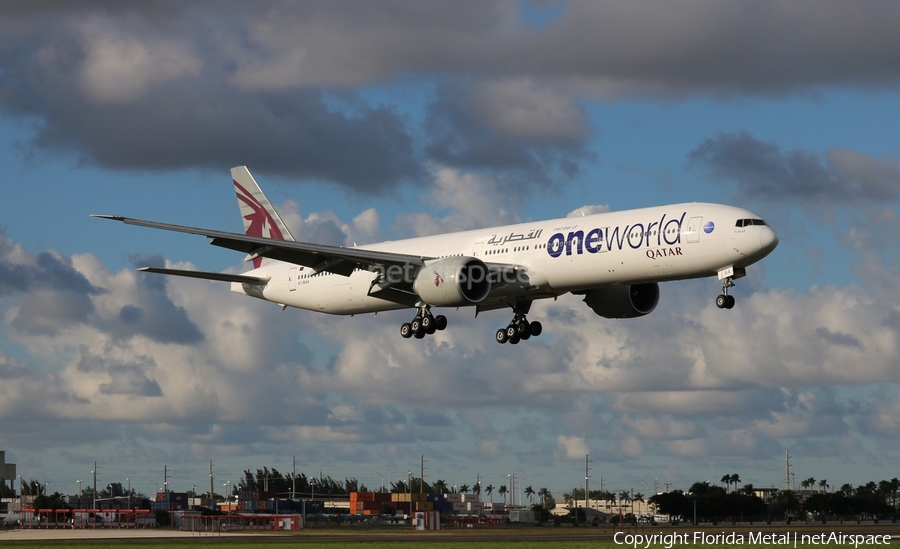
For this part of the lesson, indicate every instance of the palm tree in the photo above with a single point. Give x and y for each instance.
(636, 497)
(440, 486)
(748, 489)
(476, 489)
(823, 485)
(490, 491)
(463, 488)
(808, 483)
(529, 493)
(502, 492)
(726, 480)
(544, 495)
(625, 496)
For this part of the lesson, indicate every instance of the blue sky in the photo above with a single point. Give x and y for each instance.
(365, 122)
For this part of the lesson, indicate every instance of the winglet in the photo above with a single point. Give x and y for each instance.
(113, 217)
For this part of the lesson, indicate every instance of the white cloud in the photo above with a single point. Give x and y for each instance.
(121, 67)
(573, 447)
(470, 200)
(519, 107)
(589, 210)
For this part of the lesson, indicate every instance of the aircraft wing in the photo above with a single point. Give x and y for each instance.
(206, 275)
(321, 257)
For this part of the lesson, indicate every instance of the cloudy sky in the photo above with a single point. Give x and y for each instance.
(369, 121)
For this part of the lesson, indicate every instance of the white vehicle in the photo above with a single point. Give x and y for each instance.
(522, 516)
(615, 260)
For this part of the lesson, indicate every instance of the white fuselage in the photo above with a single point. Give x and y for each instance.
(655, 244)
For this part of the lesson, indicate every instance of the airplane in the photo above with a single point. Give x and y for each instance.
(614, 260)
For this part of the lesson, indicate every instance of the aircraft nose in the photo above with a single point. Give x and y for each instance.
(768, 239)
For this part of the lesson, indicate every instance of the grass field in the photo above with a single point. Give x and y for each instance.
(305, 544)
(228, 543)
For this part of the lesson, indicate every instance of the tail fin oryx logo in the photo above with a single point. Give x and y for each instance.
(438, 279)
(259, 221)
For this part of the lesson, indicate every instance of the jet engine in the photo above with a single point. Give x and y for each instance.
(623, 301)
(453, 282)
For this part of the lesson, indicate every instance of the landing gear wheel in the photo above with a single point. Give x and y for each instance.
(424, 323)
(725, 301)
(501, 336)
(519, 329)
(523, 329)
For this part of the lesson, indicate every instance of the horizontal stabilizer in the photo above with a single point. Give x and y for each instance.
(222, 277)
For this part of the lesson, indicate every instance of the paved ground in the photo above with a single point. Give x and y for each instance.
(99, 533)
(546, 534)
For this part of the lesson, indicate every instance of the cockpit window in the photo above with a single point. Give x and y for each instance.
(748, 222)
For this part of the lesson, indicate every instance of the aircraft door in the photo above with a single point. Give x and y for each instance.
(292, 279)
(476, 252)
(693, 229)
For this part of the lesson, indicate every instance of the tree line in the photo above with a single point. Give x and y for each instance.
(709, 502)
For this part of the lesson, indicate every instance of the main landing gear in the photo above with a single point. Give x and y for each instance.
(725, 301)
(519, 328)
(423, 324)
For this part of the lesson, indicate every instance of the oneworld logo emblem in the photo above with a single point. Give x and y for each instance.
(665, 232)
(709, 227)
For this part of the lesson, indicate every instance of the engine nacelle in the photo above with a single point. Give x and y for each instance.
(453, 282)
(624, 301)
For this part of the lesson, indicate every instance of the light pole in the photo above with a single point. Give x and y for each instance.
(128, 480)
(79, 491)
(227, 486)
(382, 481)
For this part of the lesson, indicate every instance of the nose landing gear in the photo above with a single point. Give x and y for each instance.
(725, 301)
